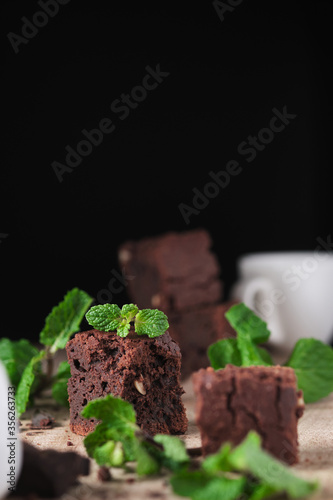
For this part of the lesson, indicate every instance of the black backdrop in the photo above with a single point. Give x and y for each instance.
(224, 70)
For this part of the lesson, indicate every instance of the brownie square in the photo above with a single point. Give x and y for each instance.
(172, 272)
(235, 400)
(196, 330)
(144, 371)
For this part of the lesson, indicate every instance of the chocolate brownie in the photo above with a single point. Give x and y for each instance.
(144, 371)
(235, 400)
(172, 272)
(195, 331)
(49, 473)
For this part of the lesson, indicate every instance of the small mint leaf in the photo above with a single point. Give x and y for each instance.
(123, 329)
(245, 321)
(129, 311)
(174, 455)
(224, 352)
(106, 317)
(151, 322)
(110, 454)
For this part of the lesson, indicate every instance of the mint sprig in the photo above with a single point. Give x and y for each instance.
(242, 350)
(118, 439)
(311, 359)
(23, 361)
(109, 317)
(231, 473)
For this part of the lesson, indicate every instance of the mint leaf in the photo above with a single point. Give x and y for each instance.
(174, 456)
(218, 461)
(312, 361)
(118, 425)
(27, 379)
(59, 386)
(15, 355)
(65, 319)
(151, 322)
(128, 311)
(246, 322)
(224, 352)
(106, 317)
(110, 454)
(199, 485)
(249, 457)
(242, 350)
(147, 461)
(249, 352)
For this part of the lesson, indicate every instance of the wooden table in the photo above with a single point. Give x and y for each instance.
(315, 442)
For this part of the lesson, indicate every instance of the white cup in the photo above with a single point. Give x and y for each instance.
(11, 452)
(291, 291)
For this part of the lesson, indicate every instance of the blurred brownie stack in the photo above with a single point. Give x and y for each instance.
(180, 275)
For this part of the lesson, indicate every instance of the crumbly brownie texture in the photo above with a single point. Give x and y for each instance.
(173, 272)
(196, 331)
(144, 371)
(232, 401)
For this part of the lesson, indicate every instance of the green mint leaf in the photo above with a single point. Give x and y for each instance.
(118, 425)
(174, 456)
(266, 357)
(261, 492)
(250, 354)
(199, 485)
(106, 317)
(110, 454)
(123, 329)
(147, 463)
(249, 457)
(27, 379)
(224, 352)
(59, 386)
(15, 355)
(151, 322)
(65, 319)
(312, 361)
(218, 461)
(245, 321)
(128, 311)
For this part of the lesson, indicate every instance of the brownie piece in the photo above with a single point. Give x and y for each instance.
(144, 371)
(172, 272)
(49, 473)
(195, 331)
(235, 400)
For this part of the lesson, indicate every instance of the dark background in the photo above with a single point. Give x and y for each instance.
(225, 78)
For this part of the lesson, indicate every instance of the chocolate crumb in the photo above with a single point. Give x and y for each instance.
(103, 474)
(69, 443)
(42, 420)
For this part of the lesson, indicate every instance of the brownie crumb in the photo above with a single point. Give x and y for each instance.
(103, 474)
(42, 420)
(69, 443)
